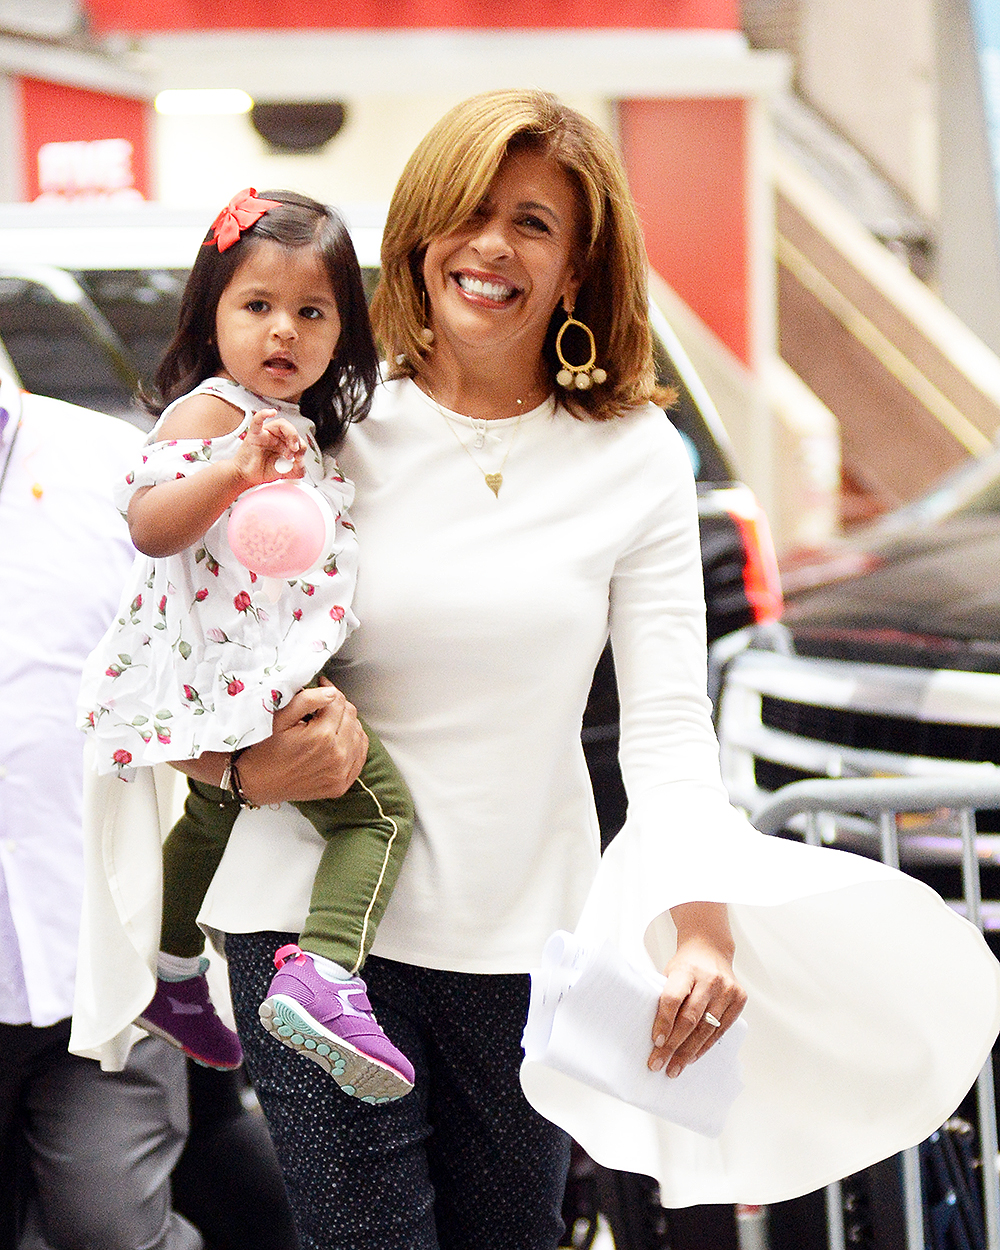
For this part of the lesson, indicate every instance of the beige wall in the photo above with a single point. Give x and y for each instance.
(869, 67)
(204, 160)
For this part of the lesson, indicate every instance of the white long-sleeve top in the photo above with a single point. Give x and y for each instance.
(482, 618)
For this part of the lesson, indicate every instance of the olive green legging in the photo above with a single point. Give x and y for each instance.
(367, 832)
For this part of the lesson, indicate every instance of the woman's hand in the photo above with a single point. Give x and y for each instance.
(316, 750)
(699, 979)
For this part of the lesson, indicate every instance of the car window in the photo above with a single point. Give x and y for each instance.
(56, 348)
(142, 305)
(98, 358)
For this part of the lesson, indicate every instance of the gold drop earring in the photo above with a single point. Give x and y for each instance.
(578, 377)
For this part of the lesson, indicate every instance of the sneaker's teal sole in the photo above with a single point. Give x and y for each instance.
(357, 1074)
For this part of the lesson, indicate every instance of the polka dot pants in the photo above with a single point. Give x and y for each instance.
(461, 1163)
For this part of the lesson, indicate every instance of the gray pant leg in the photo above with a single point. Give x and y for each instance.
(102, 1146)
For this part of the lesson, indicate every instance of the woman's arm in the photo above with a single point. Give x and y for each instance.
(316, 751)
(700, 979)
(171, 516)
(669, 754)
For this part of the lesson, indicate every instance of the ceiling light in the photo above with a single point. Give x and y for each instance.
(202, 103)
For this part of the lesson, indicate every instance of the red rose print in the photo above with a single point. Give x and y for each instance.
(136, 604)
(163, 605)
(114, 671)
(337, 613)
(190, 693)
(276, 698)
(308, 588)
(122, 757)
(234, 687)
(162, 734)
(297, 614)
(242, 602)
(201, 595)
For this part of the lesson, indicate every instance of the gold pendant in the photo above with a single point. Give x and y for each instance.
(494, 481)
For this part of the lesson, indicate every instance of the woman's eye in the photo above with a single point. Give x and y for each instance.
(535, 223)
(257, 305)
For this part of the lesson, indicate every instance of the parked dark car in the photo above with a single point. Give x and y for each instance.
(886, 663)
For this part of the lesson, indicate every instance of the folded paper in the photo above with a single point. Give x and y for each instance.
(591, 1017)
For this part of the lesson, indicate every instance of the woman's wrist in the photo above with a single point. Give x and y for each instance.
(706, 922)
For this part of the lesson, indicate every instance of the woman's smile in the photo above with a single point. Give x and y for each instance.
(495, 281)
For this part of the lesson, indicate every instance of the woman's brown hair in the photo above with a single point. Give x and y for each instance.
(446, 179)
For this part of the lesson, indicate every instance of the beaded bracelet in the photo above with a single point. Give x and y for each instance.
(235, 783)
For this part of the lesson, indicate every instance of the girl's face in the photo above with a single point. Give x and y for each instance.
(277, 325)
(496, 280)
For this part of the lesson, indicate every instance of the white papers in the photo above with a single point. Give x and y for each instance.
(591, 1017)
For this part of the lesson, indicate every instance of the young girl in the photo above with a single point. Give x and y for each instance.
(273, 357)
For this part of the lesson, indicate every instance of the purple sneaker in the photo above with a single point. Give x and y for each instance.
(182, 1014)
(331, 1022)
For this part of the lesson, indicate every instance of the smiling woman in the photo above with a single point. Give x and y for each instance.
(510, 528)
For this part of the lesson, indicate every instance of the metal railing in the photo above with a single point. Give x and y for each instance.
(883, 800)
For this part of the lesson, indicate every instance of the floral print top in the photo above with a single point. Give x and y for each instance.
(199, 657)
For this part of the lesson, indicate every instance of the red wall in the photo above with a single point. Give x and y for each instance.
(88, 120)
(686, 162)
(140, 15)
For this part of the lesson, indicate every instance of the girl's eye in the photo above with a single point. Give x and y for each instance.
(257, 305)
(312, 314)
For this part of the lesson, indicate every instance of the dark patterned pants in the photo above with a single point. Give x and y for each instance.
(462, 1162)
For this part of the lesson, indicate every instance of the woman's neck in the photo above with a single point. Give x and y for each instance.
(483, 396)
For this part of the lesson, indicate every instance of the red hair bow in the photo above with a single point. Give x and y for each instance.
(242, 211)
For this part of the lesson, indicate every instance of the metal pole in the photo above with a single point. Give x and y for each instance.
(834, 1193)
(913, 1201)
(985, 1094)
(889, 838)
(835, 1217)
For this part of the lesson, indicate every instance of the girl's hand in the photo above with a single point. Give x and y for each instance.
(272, 449)
(699, 979)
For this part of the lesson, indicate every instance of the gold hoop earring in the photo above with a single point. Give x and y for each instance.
(426, 333)
(578, 377)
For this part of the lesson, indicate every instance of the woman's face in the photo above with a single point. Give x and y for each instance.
(494, 282)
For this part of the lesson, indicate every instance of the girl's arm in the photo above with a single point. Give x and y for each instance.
(171, 516)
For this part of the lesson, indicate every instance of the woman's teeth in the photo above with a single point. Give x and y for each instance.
(490, 290)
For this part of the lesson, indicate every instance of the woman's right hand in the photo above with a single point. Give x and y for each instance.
(316, 750)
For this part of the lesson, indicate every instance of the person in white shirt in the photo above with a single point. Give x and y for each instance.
(521, 496)
(99, 1146)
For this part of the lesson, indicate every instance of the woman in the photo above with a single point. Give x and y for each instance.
(509, 522)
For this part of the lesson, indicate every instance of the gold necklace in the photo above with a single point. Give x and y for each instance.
(493, 480)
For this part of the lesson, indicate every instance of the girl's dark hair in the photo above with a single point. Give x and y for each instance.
(344, 392)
